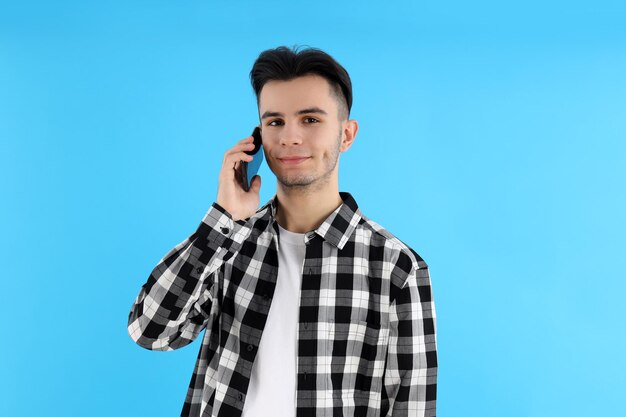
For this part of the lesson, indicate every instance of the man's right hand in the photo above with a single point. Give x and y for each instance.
(240, 204)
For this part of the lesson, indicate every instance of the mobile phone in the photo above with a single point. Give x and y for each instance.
(250, 169)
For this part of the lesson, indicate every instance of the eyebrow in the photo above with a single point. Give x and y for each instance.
(299, 112)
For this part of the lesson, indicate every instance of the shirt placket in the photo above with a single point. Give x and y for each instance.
(311, 340)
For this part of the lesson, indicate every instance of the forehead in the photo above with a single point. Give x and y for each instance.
(300, 92)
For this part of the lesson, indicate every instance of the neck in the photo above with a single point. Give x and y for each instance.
(302, 210)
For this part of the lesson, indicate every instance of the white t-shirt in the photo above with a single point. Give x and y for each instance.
(272, 389)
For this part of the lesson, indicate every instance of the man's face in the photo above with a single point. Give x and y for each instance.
(302, 136)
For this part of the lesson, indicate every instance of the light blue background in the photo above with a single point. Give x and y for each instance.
(491, 140)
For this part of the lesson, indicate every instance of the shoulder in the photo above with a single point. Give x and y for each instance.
(403, 260)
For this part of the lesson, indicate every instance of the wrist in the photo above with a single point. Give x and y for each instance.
(233, 214)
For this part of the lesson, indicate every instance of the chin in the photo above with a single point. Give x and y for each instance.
(295, 181)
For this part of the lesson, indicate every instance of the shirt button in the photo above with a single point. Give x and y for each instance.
(306, 326)
(266, 297)
(199, 269)
(250, 348)
(225, 230)
(240, 397)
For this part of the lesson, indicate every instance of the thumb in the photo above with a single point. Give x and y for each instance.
(255, 185)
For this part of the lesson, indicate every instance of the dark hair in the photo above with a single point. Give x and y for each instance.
(284, 64)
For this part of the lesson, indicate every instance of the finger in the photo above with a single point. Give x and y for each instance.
(238, 173)
(255, 184)
(231, 159)
(244, 146)
(248, 139)
(232, 165)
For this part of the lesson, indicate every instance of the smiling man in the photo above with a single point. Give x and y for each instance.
(310, 307)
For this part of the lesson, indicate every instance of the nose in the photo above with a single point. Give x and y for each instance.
(290, 135)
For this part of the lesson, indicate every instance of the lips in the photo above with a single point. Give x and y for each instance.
(293, 160)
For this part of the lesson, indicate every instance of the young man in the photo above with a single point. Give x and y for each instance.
(310, 308)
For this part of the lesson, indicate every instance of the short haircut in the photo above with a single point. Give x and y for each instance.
(285, 64)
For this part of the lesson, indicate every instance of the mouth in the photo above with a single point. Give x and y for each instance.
(293, 160)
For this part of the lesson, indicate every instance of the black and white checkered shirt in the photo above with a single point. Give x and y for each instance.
(366, 327)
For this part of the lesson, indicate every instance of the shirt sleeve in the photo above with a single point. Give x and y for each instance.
(411, 371)
(175, 303)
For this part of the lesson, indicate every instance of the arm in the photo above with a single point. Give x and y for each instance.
(411, 372)
(173, 306)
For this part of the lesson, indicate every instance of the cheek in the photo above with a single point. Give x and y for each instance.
(268, 144)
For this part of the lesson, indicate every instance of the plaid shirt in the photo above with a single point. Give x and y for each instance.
(366, 328)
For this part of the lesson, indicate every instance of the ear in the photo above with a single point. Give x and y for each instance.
(348, 134)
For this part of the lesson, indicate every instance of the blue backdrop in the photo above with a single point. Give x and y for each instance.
(491, 140)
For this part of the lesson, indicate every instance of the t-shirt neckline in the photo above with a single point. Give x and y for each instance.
(291, 237)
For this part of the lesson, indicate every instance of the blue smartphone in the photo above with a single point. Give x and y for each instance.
(250, 169)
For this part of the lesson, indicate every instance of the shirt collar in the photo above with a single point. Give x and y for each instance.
(338, 226)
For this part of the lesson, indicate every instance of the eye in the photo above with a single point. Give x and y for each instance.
(272, 122)
(312, 118)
